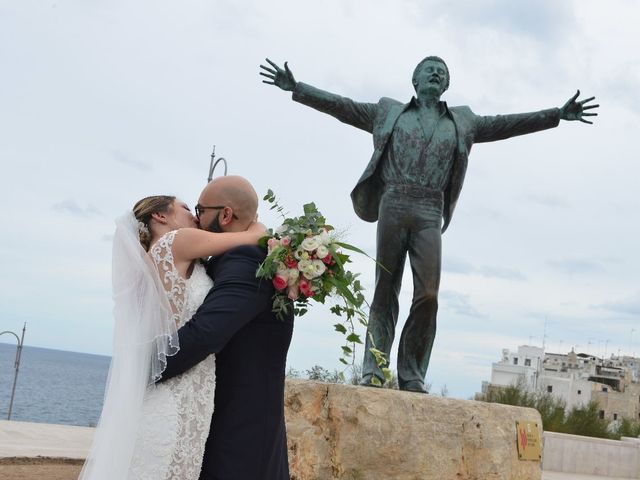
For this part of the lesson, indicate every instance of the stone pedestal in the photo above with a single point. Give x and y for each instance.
(361, 433)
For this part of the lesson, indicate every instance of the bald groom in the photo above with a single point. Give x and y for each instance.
(247, 440)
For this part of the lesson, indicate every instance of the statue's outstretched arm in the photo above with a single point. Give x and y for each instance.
(573, 110)
(277, 76)
(499, 127)
(358, 114)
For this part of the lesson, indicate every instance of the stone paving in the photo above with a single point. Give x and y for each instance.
(23, 439)
(574, 476)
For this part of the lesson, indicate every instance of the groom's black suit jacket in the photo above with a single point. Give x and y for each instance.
(248, 439)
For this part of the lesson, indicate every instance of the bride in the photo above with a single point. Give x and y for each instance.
(148, 430)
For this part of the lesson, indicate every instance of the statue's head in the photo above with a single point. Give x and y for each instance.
(431, 72)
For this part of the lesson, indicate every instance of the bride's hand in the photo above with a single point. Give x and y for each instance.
(258, 229)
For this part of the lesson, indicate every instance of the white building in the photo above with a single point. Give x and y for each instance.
(571, 377)
(516, 367)
(577, 378)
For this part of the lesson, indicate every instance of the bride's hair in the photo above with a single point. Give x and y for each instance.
(143, 209)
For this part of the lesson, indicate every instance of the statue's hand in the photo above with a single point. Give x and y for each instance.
(573, 110)
(278, 77)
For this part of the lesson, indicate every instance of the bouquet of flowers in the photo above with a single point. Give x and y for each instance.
(306, 261)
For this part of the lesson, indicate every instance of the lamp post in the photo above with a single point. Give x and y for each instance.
(214, 164)
(16, 365)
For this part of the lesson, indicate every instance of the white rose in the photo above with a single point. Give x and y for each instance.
(281, 229)
(310, 243)
(319, 267)
(324, 237)
(311, 268)
(282, 269)
(303, 265)
(307, 268)
(293, 274)
(322, 251)
(300, 254)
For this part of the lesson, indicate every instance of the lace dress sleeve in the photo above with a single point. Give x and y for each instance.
(174, 284)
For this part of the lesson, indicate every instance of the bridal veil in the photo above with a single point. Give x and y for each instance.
(145, 333)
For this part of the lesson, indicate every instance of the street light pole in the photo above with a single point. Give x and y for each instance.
(16, 365)
(214, 164)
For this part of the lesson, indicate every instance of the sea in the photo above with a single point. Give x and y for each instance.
(53, 386)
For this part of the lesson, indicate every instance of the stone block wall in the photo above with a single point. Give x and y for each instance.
(360, 433)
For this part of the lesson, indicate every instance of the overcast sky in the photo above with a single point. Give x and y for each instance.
(105, 102)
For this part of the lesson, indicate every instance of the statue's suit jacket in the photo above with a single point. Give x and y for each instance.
(247, 440)
(380, 118)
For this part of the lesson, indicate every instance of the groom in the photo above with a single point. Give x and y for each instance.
(247, 440)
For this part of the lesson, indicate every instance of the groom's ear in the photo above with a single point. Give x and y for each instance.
(227, 216)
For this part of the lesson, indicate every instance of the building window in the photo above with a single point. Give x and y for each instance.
(549, 389)
(605, 389)
(601, 414)
(515, 360)
(615, 416)
(579, 392)
(527, 362)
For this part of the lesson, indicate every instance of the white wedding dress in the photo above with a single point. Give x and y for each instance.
(176, 414)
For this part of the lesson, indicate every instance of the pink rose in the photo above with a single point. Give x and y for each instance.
(293, 292)
(286, 241)
(279, 282)
(273, 243)
(328, 259)
(291, 262)
(305, 288)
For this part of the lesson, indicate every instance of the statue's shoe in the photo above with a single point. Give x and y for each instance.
(413, 386)
(367, 381)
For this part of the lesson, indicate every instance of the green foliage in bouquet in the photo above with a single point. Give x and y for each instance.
(306, 261)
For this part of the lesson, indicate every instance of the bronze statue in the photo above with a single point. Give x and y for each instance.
(411, 186)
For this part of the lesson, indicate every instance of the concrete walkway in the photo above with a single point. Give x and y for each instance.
(574, 476)
(23, 439)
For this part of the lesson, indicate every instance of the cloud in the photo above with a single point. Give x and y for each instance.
(501, 272)
(457, 265)
(576, 265)
(540, 20)
(481, 212)
(551, 201)
(148, 93)
(72, 207)
(624, 89)
(630, 306)
(460, 266)
(121, 157)
(460, 303)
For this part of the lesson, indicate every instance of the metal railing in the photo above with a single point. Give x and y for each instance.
(16, 364)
